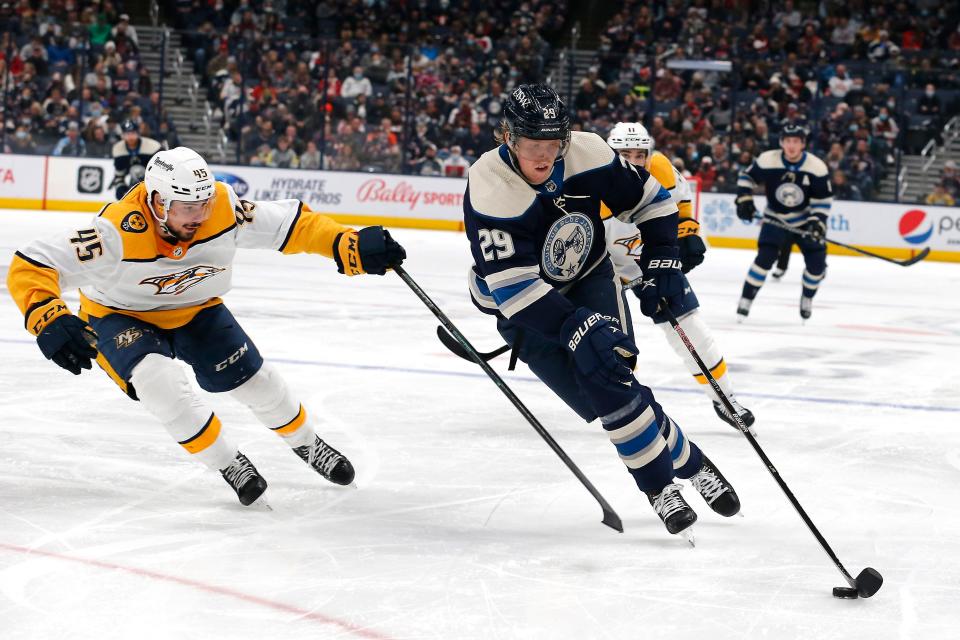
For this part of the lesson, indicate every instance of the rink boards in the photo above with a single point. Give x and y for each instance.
(83, 184)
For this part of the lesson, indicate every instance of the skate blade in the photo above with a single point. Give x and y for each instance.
(260, 504)
(687, 534)
(740, 319)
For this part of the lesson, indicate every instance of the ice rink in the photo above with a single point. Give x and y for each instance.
(463, 524)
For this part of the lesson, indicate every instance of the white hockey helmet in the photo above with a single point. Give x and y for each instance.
(179, 174)
(630, 135)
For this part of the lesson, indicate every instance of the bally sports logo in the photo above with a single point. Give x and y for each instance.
(916, 226)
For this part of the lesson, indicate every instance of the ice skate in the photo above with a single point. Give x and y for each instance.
(745, 414)
(806, 307)
(715, 489)
(673, 509)
(244, 478)
(743, 308)
(326, 461)
(777, 274)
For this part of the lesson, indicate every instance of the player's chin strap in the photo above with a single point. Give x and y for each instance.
(164, 229)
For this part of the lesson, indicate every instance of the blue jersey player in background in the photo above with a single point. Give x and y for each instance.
(798, 191)
(534, 211)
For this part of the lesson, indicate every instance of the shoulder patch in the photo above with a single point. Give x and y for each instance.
(587, 151)
(134, 222)
(496, 191)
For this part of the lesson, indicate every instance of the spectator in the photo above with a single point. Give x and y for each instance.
(283, 156)
(125, 30)
(841, 82)
(310, 159)
(98, 146)
(429, 165)
(885, 131)
(940, 197)
(356, 84)
(950, 178)
(842, 189)
(455, 165)
(71, 144)
(22, 141)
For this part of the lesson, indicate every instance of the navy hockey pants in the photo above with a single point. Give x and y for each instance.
(768, 250)
(650, 444)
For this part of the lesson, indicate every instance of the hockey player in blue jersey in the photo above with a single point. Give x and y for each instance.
(797, 186)
(533, 212)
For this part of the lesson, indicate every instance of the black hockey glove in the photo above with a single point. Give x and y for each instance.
(661, 278)
(816, 227)
(69, 342)
(370, 250)
(600, 350)
(690, 244)
(746, 210)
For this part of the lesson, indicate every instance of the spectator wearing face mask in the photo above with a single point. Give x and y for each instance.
(356, 84)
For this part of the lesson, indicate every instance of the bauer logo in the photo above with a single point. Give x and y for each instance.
(916, 227)
(239, 185)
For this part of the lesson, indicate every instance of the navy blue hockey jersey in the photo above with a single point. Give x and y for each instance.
(530, 243)
(793, 190)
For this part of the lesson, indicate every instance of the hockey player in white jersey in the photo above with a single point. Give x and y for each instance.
(533, 212)
(151, 269)
(635, 145)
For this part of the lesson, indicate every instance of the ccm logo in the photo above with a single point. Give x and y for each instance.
(236, 355)
(664, 263)
(584, 328)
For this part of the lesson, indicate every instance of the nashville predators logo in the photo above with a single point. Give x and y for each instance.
(126, 338)
(176, 283)
(134, 222)
(632, 244)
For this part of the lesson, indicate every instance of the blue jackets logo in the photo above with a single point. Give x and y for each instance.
(567, 246)
(239, 185)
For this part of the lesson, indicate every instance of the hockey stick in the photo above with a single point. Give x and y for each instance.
(453, 345)
(869, 580)
(806, 234)
(610, 517)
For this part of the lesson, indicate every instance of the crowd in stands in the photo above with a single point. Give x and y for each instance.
(390, 85)
(383, 85)
(71, 73)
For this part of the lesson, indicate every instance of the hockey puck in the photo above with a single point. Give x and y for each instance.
(847, 593)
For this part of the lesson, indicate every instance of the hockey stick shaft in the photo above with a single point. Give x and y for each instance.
(923, 253)
(610, 517)
(753, 442)
(453, 345)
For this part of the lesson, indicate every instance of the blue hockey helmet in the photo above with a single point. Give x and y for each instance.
(536, 111)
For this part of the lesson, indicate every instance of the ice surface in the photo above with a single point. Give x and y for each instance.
(463, 523)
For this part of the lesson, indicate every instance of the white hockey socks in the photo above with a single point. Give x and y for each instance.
(165, 391)
(269, 398)
(699, 334)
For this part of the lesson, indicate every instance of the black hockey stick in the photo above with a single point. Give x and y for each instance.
(610, 517)
(869, 580)
(806, 234)
(451, 343)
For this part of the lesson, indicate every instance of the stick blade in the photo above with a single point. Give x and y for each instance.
(869, 582)
(612, 520)
(917, 258)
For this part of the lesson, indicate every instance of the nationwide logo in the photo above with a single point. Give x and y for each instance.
(239, 185)
(916, 226)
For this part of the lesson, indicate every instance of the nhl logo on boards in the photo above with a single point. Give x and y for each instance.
(567, 246)
(134, 222)
(89, 179)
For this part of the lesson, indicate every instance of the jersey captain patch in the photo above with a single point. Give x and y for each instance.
(174, 284)
(567, 246)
